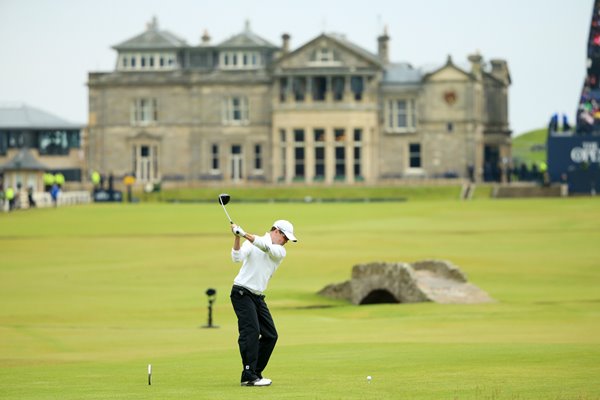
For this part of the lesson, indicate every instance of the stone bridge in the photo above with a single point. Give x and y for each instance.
(428, 280)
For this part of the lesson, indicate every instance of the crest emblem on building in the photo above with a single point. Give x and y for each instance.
(450, 97)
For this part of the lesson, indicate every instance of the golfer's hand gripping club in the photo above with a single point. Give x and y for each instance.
(237, 230)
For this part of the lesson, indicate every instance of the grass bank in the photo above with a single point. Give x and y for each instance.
(530, 147)
(315, 193)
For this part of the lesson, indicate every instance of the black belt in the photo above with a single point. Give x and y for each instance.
(248, 291)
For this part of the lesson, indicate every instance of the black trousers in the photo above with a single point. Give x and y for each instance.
(257, 331)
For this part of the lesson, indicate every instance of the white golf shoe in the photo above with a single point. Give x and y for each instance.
(258, 382)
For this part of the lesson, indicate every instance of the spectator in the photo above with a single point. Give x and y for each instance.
(54, 193)
(471, 172)
(544, 177)
(523, 172)
(10, 198)
(30, 197)
(553, 126)
(111, 183)
(59, 179)
(48, 181)
(96, 180)
(566, 126)
(17, 201)
(535, 173)
(487, 172)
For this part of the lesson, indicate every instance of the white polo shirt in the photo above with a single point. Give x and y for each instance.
(259, 262)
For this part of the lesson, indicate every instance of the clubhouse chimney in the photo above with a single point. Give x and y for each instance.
(205, 38)
(285, 43)
(476, 64)
(500, 70)
(383, 47)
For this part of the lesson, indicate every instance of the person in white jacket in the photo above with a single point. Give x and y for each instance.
(260, 257)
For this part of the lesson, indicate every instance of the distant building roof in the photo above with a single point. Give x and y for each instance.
(340, 38)
(152, 38)
(19, 116)
(246, 38)
(401, 73)
(342, 42)
(24, 160)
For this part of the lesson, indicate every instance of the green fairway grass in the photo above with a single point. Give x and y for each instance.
(90, 295)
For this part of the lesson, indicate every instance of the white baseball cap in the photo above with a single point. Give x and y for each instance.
(287, 228)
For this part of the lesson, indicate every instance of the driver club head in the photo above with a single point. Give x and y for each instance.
(224, 198)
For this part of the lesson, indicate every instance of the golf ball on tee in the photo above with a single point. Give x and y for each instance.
(369, 378)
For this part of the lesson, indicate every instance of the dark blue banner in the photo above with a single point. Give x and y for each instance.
(576, 160)
(108, 196)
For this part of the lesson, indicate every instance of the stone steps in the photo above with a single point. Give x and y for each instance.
(519, 191)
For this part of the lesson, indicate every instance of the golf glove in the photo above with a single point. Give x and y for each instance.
(239, 231)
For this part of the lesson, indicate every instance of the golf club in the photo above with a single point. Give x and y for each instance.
(224, 199)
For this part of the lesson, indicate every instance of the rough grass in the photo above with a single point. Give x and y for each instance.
(90, 295)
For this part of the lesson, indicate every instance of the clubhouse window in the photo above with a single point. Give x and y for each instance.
(414, 155)
(401, 115)
(340, 154)
(57, 142)
(299, 154)
(357, 153)
(3, 143)
(144, 111)
(283, 152)
(299, 88)
(319, 142)
(325, 56)
(240, 60)
(283, 83)
(146, 61)
(235, 111)
(214, 159)
(258, 158)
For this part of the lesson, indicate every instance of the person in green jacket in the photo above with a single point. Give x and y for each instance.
(59, 179)
(48, 181)
(96, 180)
(10, 197)
(544, 176)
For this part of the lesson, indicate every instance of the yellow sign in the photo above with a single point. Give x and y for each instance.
(129, 180)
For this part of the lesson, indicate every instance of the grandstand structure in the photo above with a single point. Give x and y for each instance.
(588, 112)
(574, 154)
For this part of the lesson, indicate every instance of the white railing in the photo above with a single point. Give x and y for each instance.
(43, 199)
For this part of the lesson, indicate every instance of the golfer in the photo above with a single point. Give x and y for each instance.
(260, 257)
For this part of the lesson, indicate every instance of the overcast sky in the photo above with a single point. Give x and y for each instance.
(47, 47)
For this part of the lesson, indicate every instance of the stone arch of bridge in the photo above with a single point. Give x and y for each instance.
(379, 296)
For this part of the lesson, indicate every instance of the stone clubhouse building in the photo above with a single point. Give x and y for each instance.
(246, 110)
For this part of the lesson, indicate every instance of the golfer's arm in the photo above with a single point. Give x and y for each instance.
(275, 251)
(249, 237)
(239, 252)
(236, 243)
